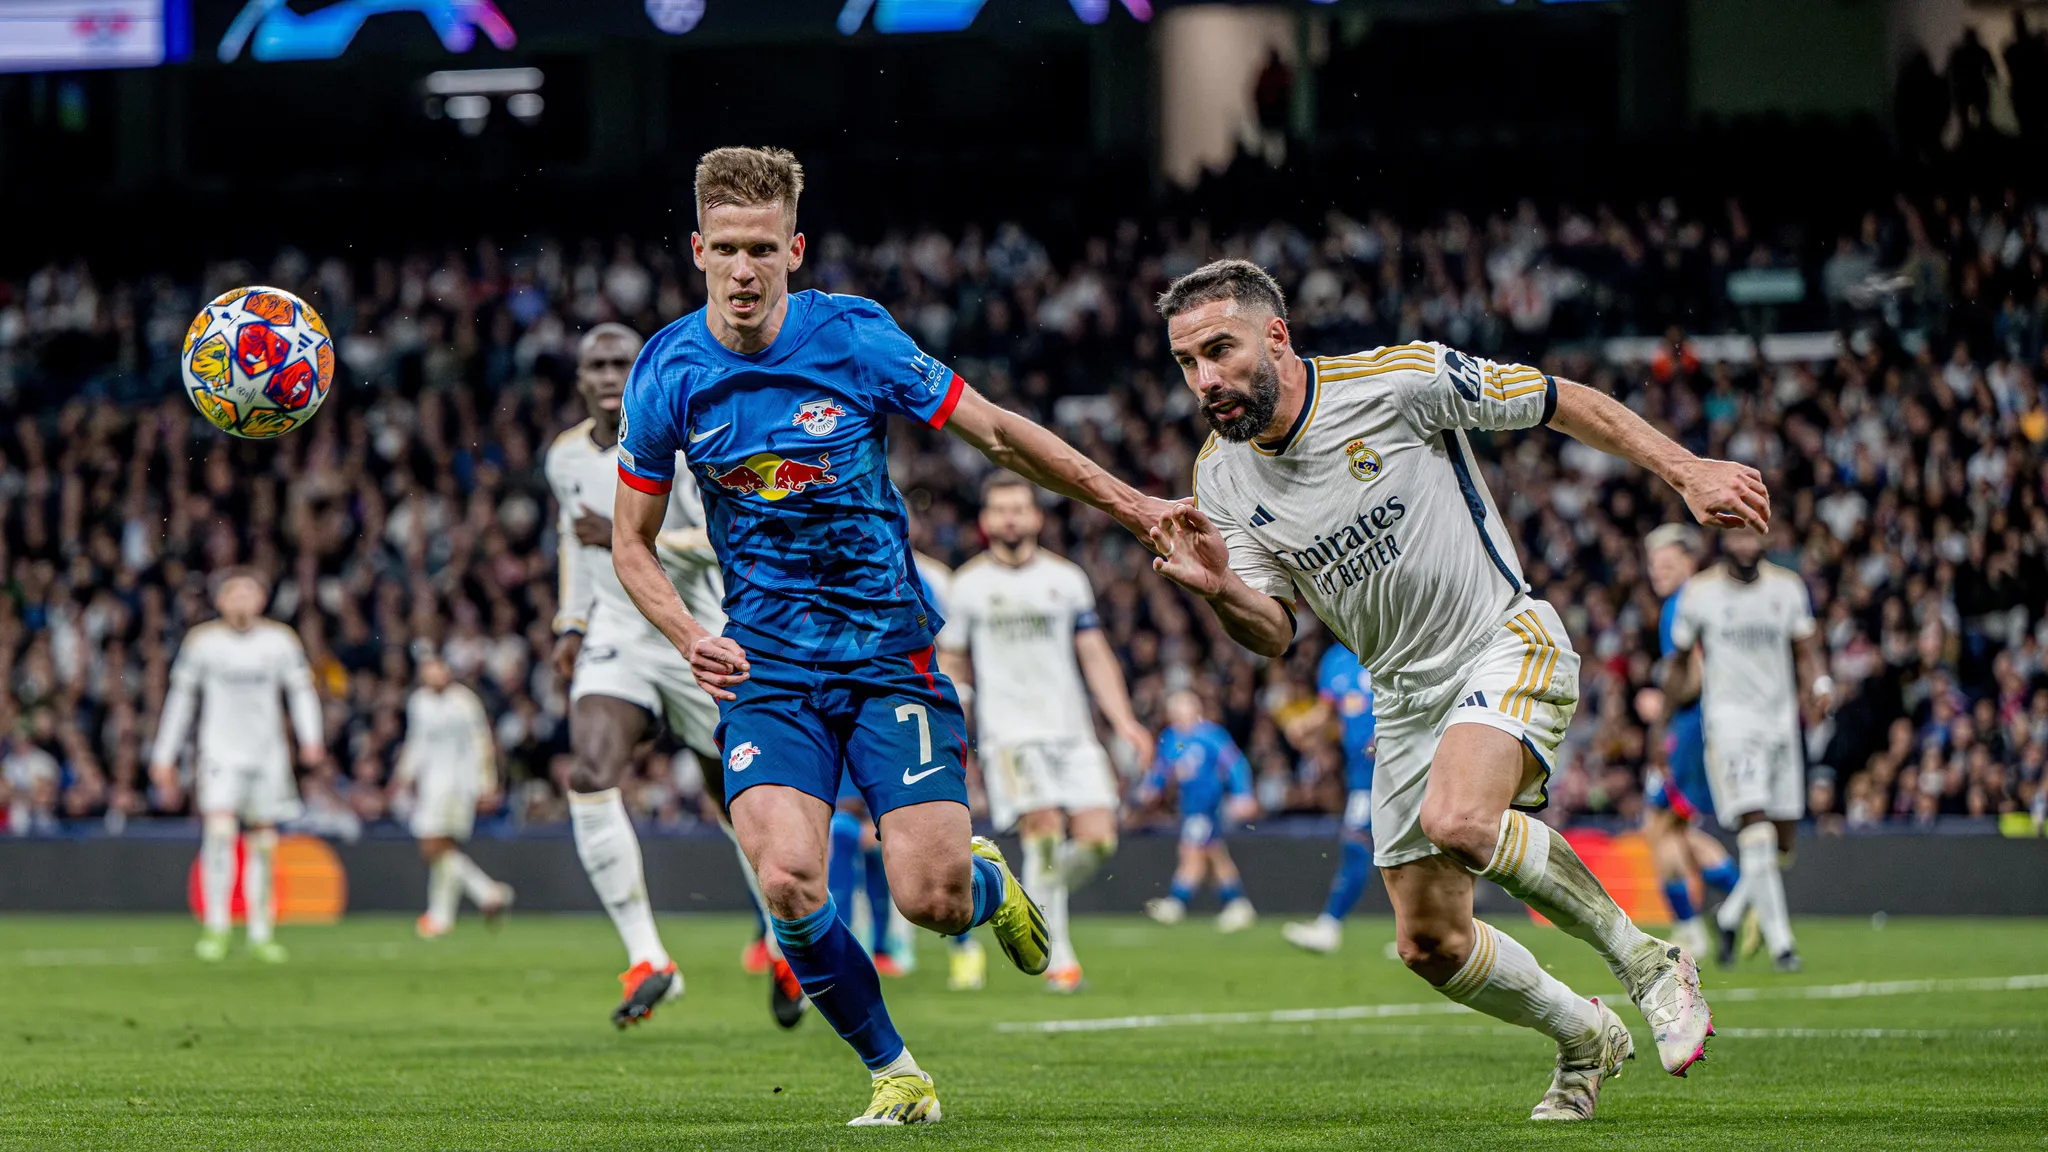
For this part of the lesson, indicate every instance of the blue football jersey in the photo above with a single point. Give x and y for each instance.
(1348, 688)
(790, 449)
(1685, 730)
(1205, 764)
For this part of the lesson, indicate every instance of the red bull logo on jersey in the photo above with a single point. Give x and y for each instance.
(772, 477)
(819, 417)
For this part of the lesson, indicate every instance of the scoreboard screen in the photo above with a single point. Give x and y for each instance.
(52, 35)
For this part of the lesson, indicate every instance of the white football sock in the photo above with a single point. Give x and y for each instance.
(444, 889)
(476, 883)
(1758, 846)
(1502, 979)
(1042, 881)
(256, 894)
(1078, 862)
(1539, 868)
(902, 1065)
(217, 872)
(610, 852)
(1728, 916)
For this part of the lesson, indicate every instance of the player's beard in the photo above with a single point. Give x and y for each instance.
(1255, 408)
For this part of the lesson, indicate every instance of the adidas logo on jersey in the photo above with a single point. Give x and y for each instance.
(1261, 517)
(1475, 700)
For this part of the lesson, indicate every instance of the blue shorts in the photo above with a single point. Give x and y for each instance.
(1684, 788)
(892, 726)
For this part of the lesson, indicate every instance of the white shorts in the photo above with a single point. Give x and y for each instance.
(260, 793)
(1523, 680)
(646, 670)
(1755, 772)
(1071, 775)
(442, 809)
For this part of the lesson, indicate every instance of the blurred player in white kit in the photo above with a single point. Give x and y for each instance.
(233, 671)
(624, 676)
(449, 766)
(1747, 619)
(1021, 629)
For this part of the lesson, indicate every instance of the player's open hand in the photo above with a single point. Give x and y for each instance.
(1724, 494)
(718, 663)
(591, 529)
(1191, 551)
(568, 646)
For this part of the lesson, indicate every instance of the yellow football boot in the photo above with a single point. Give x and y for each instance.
(1018, 924)
(900, 1100)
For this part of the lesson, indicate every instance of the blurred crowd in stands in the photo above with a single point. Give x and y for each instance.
(411, 516)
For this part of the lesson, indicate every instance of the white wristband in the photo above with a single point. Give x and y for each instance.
(1823, 685)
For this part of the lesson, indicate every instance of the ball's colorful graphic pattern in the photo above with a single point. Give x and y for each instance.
(258, 362)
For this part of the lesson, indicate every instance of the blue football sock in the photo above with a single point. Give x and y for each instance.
(1723, 875)
(1349, 884)
(1678, 894)
(879, 906)
(843, 870)
(1231, 891)
(989, 889)
(1181, 892)
(841, 982)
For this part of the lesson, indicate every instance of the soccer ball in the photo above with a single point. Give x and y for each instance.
(257, 362)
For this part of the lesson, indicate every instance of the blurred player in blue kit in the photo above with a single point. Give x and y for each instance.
(1685, 855)
(1212, 783)
(1346, 689)
(827, 664)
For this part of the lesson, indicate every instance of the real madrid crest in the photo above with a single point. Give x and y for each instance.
(1365, 463)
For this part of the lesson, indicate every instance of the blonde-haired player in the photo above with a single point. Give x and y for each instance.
(1348, 482)
(1021, 629)
(233, 673)
(449, 767)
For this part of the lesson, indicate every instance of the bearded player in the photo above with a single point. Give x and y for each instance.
(1758, 657)
(1348, 482)
(624, 677)
(1022, 630)
(827, 661)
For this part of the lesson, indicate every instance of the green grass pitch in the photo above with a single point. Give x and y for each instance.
(111, 1036)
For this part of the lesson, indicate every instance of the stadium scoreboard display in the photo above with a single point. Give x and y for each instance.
(61, 35)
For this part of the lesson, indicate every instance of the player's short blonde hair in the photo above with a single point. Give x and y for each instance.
(749, 177)
(1683, 536)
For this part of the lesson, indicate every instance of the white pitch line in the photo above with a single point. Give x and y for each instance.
(1866, 988)
(1278, 1016)
(103, 957)
(1858, 990)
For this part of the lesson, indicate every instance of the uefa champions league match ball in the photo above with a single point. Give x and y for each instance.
(257, 362)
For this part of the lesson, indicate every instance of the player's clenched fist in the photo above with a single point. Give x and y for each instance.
(718, 663)
(1192, 552)
(1725, 494)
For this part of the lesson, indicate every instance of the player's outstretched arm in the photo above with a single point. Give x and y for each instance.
(1105, 679)
(636, 524)
(1721, 493)
(1193, 554)
(1050, 462)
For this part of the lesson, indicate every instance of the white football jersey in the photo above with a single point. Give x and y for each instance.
(1018, 625)
(238, 682)
(937, 578)
(447, 742)
(1745, 633)
(585, 476)
(1373, 510)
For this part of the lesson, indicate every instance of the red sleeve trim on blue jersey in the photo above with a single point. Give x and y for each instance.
(952, 400)
(639, 483)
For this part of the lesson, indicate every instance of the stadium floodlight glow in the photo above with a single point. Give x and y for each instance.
(484, 81)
